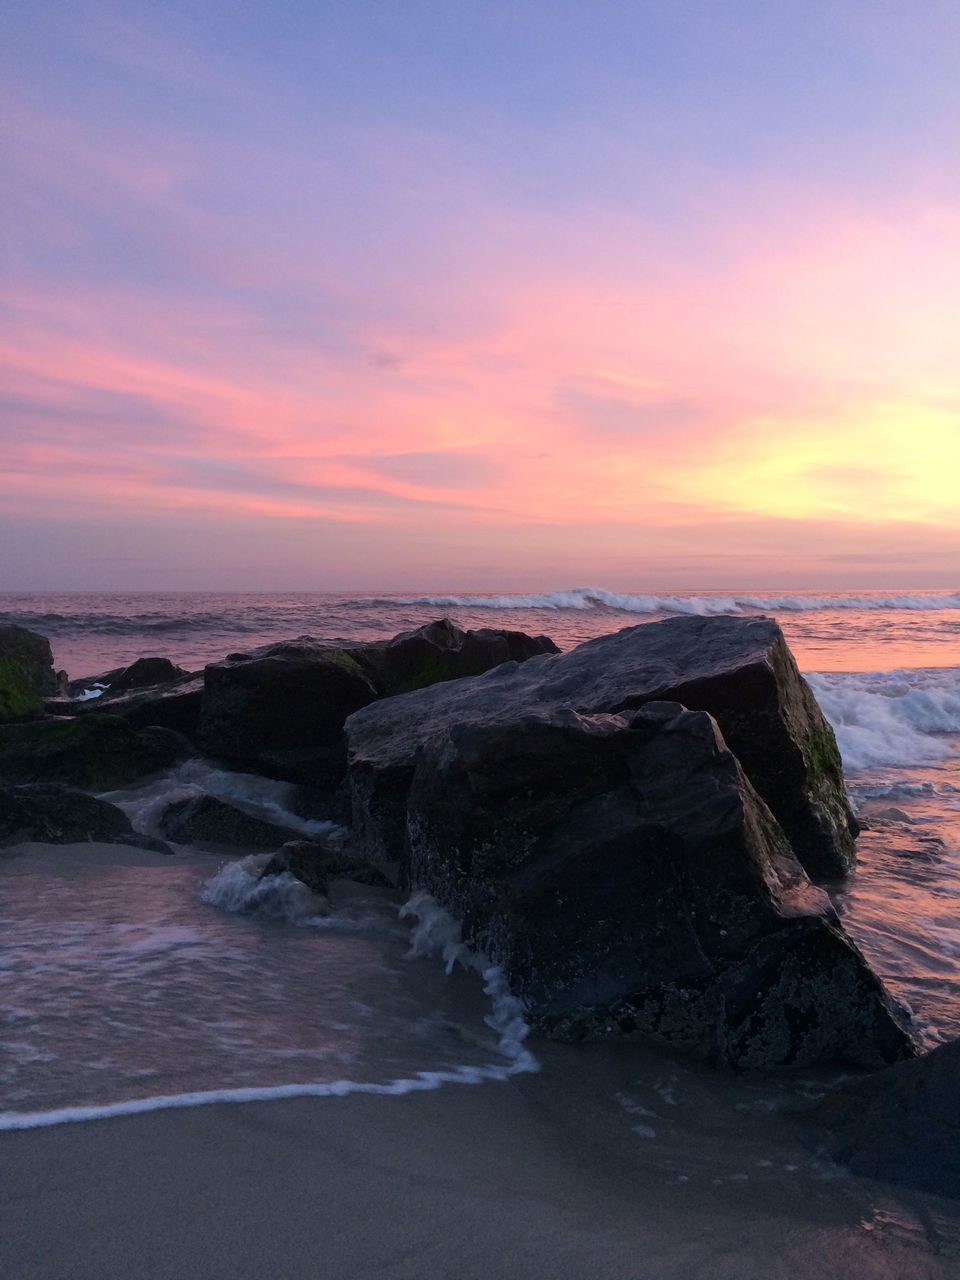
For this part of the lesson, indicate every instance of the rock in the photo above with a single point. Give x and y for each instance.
(172, 705)
(316, 863)
(55, 814)
(443, 651)
(627, 878)
(26, 674)
(150, 844)
(97, 753)
(280, 709)
(740, 670)
(146, 672)
(901, 1125)
(206, 820)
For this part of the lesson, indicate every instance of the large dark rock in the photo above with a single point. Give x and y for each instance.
(56, 814)
(206, 820)
(740, 670)
(443, 651)
(628, 879)
(901, 1125)
(26, 674)
(280, 709)
(146, 672)
(97, 753)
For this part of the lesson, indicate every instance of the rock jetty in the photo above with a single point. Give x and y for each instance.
(629, 830)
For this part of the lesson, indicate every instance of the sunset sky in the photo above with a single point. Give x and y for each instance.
(479, 294)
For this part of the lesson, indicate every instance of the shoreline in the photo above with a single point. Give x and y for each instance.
(500, 1180)
(613, 1163)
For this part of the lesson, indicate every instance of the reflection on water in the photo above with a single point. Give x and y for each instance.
(118, 982)
(902, 905)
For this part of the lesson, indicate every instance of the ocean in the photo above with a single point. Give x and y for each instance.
(131, 981)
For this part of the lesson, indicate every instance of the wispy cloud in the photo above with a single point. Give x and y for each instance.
(237, 287)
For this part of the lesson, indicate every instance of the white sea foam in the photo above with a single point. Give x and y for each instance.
(599, 598)
(94, 691)
(891, 719)
(335, 1089)
(263, 798)
(436, 931)
(233, 888)
(238, 887)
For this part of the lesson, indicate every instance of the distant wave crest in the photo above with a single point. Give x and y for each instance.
(599, 598)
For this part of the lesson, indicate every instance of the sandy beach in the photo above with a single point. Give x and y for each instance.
(497, 1180)
(610, 1163)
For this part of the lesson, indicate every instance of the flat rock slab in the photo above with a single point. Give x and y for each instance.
(740, 670)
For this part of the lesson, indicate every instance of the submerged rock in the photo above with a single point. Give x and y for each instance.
(26, 674)
(902, 1124)
(205, 819)
(280, 709)
(97, 753)
(315, 863)
(740, 670)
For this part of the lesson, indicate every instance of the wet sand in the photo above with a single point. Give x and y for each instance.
(473, 1182)
(611, 1163)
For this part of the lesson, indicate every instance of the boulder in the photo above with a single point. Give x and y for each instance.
(901, 1125)
(204, 819)
(443, 651)
(627, 878)
(740, 670)
(280, 709)
(146, 672)
(97, 753)
(26, 674)
(316, 863)
(56, 814)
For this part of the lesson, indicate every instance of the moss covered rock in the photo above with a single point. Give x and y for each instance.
(26, 674)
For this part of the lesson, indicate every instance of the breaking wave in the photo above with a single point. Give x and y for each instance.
(597, 598)
(886, 719)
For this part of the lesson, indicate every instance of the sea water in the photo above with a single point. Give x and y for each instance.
(130, 981)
